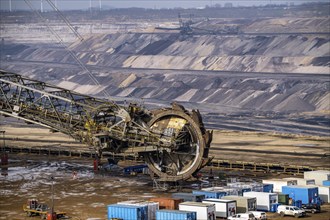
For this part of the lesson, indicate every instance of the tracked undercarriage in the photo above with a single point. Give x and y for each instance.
(172, 140)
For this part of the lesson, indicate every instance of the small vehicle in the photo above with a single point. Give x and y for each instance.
(242, 216)
(259, 215)
(290, 210)
(313, 208)
(34, 208)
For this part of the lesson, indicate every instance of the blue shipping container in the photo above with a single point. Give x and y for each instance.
(210, 194)
(243, 190)
(175, 215)
(326, 183)
(127, 212)
(306, 194)
(268, 188)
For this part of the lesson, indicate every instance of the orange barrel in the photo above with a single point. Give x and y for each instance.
(51, 216)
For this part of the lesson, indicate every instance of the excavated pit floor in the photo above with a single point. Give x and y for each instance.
(87, 194)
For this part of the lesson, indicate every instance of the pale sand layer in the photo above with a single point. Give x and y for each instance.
(223, 141)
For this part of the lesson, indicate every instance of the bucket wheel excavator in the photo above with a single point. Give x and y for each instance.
(173, 141)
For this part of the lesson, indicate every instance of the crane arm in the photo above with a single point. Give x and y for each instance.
(47, 105)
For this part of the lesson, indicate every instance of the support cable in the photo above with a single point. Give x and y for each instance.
(78, 35)
(74, 56)
(65, 20)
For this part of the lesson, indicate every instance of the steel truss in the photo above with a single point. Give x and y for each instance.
(173, 141)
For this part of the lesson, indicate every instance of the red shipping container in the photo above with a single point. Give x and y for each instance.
(167, 203)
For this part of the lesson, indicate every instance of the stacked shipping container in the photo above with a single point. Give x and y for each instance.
(268, 188)
(224, 189)
(324, 193)
(204, 211)
(167, 203)
(223, 208)
(318, 175)
(302, 181)
(210, 193)
(243, 204)
(187, 197)
(278, 183)
(152, 206)
(326, 183)
(264, 200)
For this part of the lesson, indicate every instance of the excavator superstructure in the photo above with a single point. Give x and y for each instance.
(173, 141)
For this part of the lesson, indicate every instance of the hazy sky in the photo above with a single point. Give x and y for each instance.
(85, 4)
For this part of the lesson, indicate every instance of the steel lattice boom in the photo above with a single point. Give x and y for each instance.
(173, 141)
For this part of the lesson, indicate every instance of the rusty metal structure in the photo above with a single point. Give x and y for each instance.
(173, 141)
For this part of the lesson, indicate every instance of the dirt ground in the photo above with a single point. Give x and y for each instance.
(85, 195)
(81, 197)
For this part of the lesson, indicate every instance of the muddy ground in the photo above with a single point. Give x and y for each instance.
(87, 194)
(81, 197)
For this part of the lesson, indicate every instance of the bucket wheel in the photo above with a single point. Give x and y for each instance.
(189, 147)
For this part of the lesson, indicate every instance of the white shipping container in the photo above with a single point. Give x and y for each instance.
(278, 183)
(245, 184)
(152, 206)
(223, 207)
(265, 200)
(228, 190)
(318, 175)
(204, 211)
(302, 181)
(243, 204)
(324, 193)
